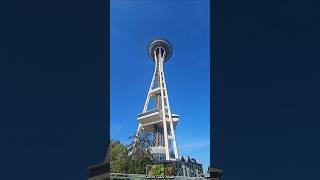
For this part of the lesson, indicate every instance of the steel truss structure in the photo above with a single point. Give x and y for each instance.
(157, 118)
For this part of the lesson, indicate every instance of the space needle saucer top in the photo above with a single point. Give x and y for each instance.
(160, 45)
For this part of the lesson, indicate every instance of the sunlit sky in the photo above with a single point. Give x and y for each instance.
(186, 25)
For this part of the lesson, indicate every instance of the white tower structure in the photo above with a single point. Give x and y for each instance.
(156, 117)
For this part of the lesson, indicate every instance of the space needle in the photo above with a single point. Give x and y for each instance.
(156, 117)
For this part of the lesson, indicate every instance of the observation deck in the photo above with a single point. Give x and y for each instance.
(160, 43)
(155, 117)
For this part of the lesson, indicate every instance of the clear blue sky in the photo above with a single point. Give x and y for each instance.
(186, 25)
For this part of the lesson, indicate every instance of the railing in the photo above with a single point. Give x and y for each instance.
(142, 176)
(127, 176)
(148, 112)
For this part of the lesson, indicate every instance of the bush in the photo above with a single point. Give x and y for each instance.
(157, 170)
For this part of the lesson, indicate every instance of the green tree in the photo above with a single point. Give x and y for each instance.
(118, 157)
(140, 155)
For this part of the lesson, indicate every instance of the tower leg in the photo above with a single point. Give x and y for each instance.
(175, 149)
(165, 130)
(166, 143)
(135, 138)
